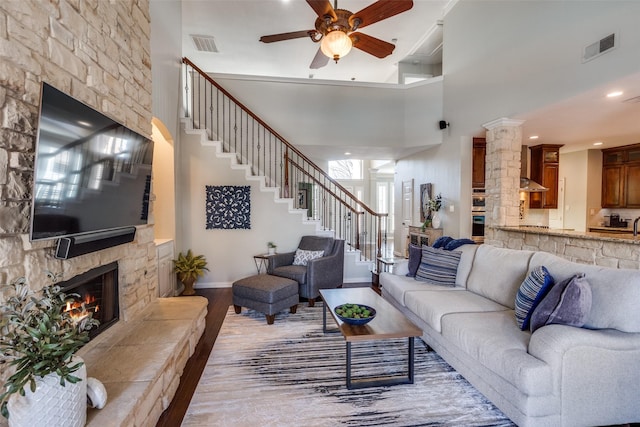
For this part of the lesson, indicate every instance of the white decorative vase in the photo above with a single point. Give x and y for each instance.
(271, 251)
(435, 220)
(51, 405)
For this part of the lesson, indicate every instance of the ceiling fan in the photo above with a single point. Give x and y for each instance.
(336, 30)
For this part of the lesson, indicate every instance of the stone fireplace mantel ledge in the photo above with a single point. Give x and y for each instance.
(140, 362)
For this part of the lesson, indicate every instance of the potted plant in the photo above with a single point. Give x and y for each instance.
(189, 267)
(271, 248)
(39, 338)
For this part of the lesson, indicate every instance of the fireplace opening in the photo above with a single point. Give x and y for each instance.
(97, 293)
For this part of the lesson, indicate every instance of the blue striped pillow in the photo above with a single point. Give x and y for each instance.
(531, 292)
(438, 266)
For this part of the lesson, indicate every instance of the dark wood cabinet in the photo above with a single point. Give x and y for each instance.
(621, 177)
(479, 153)
(545, 170)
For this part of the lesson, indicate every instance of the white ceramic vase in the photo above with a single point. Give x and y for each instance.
(435, 220)
(51, 405)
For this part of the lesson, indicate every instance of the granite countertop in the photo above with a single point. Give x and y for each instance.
(607, 236)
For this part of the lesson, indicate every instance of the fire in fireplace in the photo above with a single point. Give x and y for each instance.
(97, 293)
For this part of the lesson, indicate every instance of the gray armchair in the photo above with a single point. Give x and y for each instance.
(321, 273)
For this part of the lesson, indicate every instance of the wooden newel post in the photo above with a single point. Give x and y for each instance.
(379, 239)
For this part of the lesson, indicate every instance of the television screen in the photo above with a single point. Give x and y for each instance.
(91, 173)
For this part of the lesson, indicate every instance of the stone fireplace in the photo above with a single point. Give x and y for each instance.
(95, 292)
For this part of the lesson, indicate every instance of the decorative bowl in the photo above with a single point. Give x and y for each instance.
(355, 314)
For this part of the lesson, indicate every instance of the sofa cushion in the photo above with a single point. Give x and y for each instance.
(431, 306)
(495, 341)
(497, 273)
(302, 257)
(438, 266)
(615, 292)
(398, 287)
(531, 292)
(567, 303)
(415, 255)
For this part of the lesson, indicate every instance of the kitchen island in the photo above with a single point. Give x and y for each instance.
(617, 250)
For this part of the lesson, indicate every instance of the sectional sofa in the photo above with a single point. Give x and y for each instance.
(559, 375)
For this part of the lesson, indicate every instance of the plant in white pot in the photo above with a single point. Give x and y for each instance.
(39, 339)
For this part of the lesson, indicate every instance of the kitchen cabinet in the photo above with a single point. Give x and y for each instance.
(621, 177)
(166, 276)
(545, 170)
(478, 156)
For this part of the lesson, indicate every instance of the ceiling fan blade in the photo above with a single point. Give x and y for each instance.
(382, 9)
(320, 60)
(285, 36)
(322, 8)
(372, 45)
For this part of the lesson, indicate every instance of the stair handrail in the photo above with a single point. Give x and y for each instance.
(347, 200)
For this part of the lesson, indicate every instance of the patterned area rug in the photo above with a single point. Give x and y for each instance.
(291, 374)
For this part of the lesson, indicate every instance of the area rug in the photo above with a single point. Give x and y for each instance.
(292, 374)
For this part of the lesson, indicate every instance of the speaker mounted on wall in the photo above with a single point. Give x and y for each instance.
(69, 247)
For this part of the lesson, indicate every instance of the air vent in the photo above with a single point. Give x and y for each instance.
(598, 48)
(204, 43)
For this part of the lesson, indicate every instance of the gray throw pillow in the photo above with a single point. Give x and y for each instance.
(567, 303)
(415, 255)
(438, 266)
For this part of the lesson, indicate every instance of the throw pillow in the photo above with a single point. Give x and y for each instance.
(415, 255)
(441, 242)
(567, 303)
(456, 243)
(438, 266)
(302, 257)
(531, 292)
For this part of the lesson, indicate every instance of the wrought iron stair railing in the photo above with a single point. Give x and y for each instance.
(210, 107)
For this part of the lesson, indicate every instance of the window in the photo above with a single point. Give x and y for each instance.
(345, 169)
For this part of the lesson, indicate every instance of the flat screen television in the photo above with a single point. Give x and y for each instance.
(91, 173)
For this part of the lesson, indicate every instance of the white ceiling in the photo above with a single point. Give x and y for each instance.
(237, 26)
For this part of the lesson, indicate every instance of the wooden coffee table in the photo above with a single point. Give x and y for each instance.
(388, 323)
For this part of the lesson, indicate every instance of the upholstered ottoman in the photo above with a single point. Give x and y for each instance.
(265, 293)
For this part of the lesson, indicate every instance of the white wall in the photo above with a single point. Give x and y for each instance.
(329, 114)
(228, 252)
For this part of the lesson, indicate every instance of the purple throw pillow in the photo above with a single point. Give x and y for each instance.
(415, 255)
(567, 303)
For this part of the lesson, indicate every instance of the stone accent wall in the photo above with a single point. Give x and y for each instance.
(607, 252)
(98, 52)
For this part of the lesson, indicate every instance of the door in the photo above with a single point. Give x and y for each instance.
(407, 216)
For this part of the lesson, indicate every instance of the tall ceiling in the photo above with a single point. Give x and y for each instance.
(237, 25)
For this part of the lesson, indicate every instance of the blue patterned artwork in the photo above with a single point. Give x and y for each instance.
(228, 207)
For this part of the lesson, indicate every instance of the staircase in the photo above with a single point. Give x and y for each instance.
(247, 144)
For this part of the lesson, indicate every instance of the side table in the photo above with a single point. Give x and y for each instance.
(262, 261)
(382, 265)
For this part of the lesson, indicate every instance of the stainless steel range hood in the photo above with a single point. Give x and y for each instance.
(531, 186)
(526, 184)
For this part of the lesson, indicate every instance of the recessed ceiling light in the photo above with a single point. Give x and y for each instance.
(534, 137)
(346, 153)
(598, 143)
(614, 94)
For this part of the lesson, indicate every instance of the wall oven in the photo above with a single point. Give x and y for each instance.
(477, 215)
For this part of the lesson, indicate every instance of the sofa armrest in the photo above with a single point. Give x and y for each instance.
(596, 372)
(401, 268)
(278, 260)
(324, 272)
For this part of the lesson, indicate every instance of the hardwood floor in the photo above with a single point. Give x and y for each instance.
(219, 301)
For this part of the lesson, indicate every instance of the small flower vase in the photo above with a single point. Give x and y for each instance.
(435, 220)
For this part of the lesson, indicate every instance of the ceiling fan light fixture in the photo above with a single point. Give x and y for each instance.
(336, 44)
